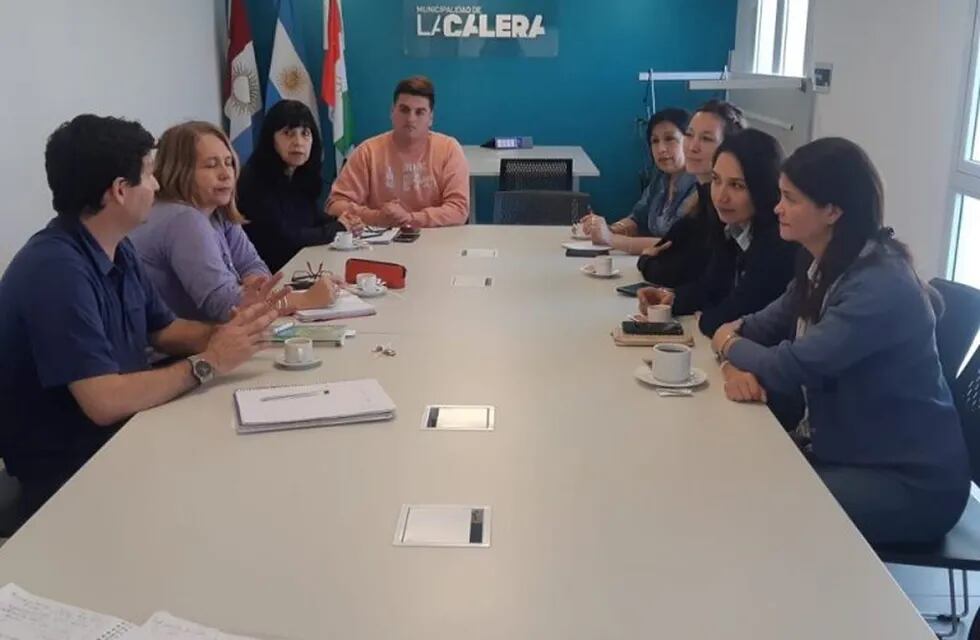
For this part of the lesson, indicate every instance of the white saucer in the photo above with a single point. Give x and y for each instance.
(297, 366)
(643, 373)
(360, 293)
(360, 244)
(589, 270)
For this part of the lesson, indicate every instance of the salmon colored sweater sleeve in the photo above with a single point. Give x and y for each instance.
(351, 190)
(453, 178)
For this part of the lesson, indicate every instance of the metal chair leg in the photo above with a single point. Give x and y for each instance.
(953, 618)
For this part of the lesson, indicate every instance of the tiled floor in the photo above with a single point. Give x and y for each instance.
(928, 589)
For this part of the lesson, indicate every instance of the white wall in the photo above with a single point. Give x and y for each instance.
(900, 68)
(156, 61)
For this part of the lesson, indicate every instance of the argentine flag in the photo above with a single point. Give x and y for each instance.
(288, 78)
(243, 100)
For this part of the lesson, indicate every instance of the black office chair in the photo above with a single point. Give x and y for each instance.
(539, 207)
(960, 549)
(957, 329)
(542, 174)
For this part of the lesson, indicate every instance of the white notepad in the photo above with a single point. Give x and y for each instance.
(24, 616)
(312, 405)
(347, 306)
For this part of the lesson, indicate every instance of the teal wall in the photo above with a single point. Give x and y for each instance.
(588, 95)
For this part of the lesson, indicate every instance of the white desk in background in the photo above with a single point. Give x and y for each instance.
(616, 513)
(485, 163)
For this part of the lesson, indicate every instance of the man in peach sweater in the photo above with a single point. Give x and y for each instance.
(407, 176)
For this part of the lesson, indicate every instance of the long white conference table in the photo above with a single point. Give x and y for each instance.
(616, 513)
(485, 163)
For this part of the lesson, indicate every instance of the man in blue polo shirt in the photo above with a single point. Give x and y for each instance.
(78, 313)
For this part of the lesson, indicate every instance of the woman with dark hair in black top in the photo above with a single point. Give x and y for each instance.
(683, 253)
(750, 264)
(280, 184)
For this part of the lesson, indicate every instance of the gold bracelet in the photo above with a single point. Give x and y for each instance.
(724, 345)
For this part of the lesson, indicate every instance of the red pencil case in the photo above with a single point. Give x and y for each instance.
(392, 273)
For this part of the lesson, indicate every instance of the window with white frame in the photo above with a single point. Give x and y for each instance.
(780, 37)
(964, 263)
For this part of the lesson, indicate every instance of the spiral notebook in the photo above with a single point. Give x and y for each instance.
(347, 306)
(312, 405)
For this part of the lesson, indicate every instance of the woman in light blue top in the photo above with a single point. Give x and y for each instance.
(670, 194)
(855, 331)
(193, 245)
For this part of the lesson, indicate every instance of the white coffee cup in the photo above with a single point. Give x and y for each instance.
(659, 313)
(298, 350)
(344, 239)
(578, 230)
(671, 362)
(602, 265)
(368, 282)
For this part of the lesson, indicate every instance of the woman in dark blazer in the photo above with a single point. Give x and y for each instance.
(280, 184)
(682, 255)
(749, 264)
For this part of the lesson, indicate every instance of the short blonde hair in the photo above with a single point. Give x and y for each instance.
(176, 162)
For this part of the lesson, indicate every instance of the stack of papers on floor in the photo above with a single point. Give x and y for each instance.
(312, 405)
(24, 616)
(347, 306)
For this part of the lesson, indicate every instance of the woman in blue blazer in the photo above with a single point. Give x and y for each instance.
(855, 330)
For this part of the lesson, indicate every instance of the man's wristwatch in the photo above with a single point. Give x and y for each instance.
(202, 369)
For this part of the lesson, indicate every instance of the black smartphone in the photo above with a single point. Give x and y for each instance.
(631, 289)
(407, 234)
(586, 253)
(672, 328)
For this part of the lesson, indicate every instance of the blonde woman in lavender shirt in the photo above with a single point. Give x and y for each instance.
(193, 246)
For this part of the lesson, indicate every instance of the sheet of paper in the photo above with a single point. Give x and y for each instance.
(383, 237)
(24, 616)
(472, 281)
(478, 253)
(164, 626)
